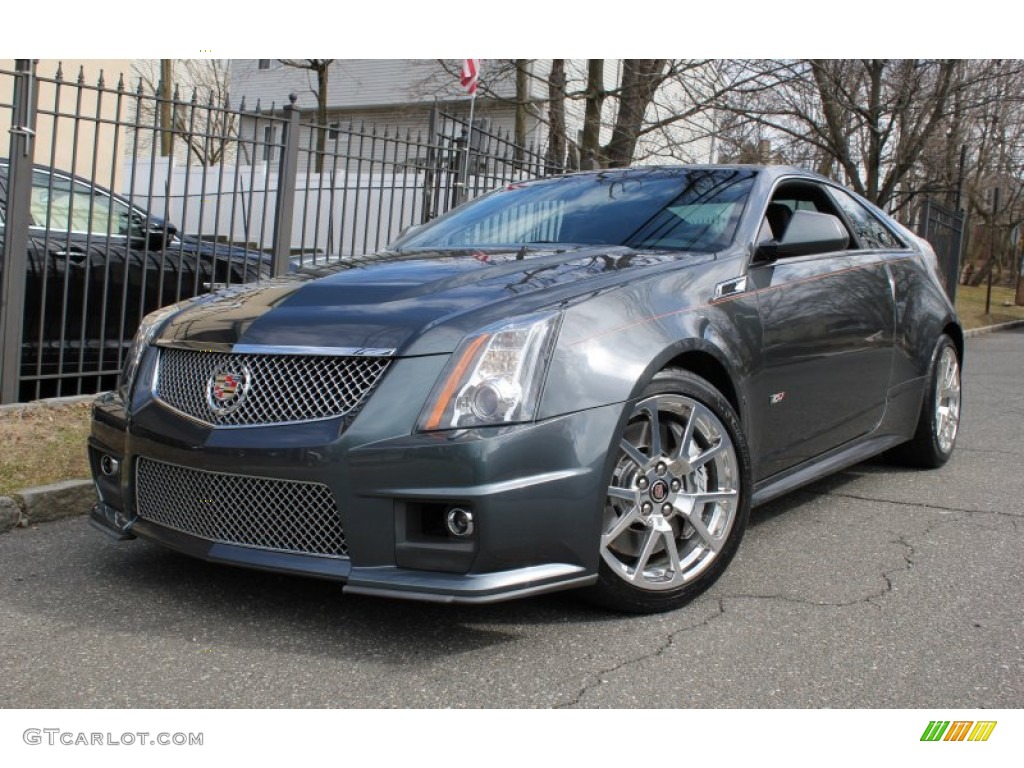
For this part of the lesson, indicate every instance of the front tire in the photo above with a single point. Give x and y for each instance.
(939, 421)
(678, 497)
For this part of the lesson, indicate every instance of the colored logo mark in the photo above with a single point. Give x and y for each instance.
(958, 730)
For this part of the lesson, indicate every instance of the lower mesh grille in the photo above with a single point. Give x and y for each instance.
(281, 515)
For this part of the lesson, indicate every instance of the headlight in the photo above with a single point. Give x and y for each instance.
(494, 377)
(148, 328)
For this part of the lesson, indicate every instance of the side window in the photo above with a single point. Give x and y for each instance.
(63, 205)
(871, 232)
(48, 208)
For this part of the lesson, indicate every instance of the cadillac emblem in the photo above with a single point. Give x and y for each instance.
(227, 388)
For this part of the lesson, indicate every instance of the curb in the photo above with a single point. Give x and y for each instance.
(43, 503)
(993, 328)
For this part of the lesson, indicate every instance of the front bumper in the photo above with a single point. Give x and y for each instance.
(536, 493)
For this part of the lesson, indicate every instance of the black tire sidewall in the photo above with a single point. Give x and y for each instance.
(928, 421)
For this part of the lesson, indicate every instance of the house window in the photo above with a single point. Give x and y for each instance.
(332, 132)
(269, 139)
(263, 63)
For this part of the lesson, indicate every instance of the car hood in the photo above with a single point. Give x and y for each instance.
(413, 304)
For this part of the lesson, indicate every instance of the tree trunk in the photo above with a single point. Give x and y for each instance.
(322, 71)
(166, 137)
(556, 116)
(640, 80)
(591, 146)
(522, 104)
(873, 160)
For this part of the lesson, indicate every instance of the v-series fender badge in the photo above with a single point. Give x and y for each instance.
(777, 398)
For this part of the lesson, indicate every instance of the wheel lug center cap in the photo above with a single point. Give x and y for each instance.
(659, 491)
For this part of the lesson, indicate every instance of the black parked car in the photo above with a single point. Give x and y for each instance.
(96, 265)
(584, 381)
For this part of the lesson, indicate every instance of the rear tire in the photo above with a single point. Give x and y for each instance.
(678, 497)
(939, 422)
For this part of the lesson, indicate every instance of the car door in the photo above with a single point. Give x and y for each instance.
(827, 324)
(71, 238)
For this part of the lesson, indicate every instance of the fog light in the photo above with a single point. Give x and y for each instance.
(460, 522)
(109, 465)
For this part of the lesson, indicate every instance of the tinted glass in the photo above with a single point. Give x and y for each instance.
(694, 210)
(871, 232)
(62, 205)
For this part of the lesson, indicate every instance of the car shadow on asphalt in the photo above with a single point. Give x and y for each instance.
(318, 616)
(833, 484)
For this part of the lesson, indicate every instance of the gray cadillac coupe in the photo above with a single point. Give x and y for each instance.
(585, 381)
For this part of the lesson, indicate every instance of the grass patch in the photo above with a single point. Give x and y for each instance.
(970, 305)
(43, 444)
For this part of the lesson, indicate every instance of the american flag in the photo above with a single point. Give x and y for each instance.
(470, 74)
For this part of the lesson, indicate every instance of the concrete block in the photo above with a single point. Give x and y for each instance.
(10, 513)
(57, 501)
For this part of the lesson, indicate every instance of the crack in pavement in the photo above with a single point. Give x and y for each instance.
(907, 554)
(922, 505)
(643, 657)
(868, 599)
(601, 674)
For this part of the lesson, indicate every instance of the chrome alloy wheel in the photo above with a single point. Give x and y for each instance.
(947, 399)
(673, 496)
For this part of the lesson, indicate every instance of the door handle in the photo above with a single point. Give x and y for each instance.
(75, 256)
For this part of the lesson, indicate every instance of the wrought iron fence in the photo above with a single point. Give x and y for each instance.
(943, 227)
(100, 228)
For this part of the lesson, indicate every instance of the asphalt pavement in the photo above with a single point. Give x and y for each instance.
(878, 587)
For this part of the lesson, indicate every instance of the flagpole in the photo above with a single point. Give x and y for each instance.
(468, 78)
(469, 136)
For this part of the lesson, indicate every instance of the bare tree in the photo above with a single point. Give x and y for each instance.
(869, 119)
(664, 105)
(322, 68)
(197, 110)
(651, 108)
(979, 148)
(996, 172)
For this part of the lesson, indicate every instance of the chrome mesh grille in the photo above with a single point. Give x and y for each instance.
(280, 515)
(281, 388)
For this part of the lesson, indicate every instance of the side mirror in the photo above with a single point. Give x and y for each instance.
(808, 233)
(405, 234)
(151, 232)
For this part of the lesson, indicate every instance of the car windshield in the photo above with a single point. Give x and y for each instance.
(663, 209)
